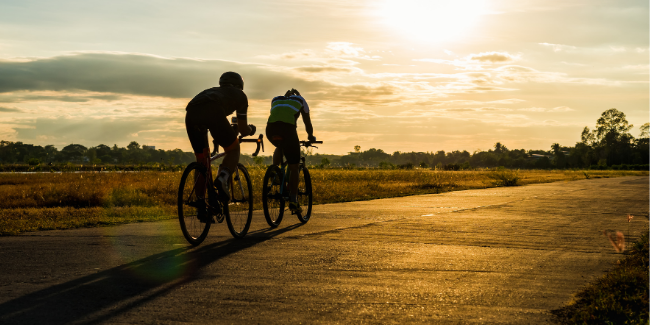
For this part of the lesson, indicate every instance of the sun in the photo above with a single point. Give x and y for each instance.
(433, 20)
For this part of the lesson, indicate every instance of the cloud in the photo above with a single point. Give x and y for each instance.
(492, 57)
(346, 50)
(141, 75)
(475, 61)
(558, 47)
(290, 55)
(56, 96)
(10, 109)
(93, 131)
(318, 69)
(546, 110)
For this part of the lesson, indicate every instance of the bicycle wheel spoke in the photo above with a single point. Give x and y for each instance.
(193, 229)
(240, 207)
(272, 200)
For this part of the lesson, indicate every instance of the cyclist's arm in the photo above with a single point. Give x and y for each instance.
(242, 125)
(308, 127)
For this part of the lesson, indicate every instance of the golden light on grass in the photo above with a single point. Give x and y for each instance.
(432, 20)
(71, 200)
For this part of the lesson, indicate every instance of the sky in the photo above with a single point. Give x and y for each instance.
(399, 75)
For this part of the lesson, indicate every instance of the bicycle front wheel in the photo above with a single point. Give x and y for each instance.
(239, 211)
(193, 229)
(304, 194)
(272, 200)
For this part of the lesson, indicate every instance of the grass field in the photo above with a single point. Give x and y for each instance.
(43, 201)
(619, 297)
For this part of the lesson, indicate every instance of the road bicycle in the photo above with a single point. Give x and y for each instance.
(275, 190)
(237, 212)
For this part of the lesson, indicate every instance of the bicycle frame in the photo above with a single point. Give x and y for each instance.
(215, 155)
(284, 169)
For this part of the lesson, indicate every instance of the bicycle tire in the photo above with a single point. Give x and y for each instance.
(239, 210)
(193, 230)
(304, 194)
(272, 200)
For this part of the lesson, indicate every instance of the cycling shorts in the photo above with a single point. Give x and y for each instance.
(285, 137)
(201, 118)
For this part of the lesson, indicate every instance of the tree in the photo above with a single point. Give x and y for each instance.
(357, 148)
(499, 148)
(133, 146)
(611, 138)
(645, 130)
(587, 136)
(73, 152)
(612, 121)
(559, 158)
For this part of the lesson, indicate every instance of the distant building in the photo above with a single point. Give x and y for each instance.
(145, 147)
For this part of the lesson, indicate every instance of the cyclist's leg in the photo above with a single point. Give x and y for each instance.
(198, 135)
(293, 181)
(274, 136)
(231, 159)
(277, 156)
(291, 149)
(225, 136)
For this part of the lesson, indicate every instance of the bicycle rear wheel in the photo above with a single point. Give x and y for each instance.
(272, 200)
(193, 229)
(239, 211)
(304, 194)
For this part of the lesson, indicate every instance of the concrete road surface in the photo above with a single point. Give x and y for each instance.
(504, 255)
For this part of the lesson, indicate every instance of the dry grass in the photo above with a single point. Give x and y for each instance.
(71, 200)
(619, 297)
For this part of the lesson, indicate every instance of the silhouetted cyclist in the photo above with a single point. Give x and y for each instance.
(208, 111)
(281, 130)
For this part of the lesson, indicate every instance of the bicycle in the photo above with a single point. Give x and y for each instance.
(275, 190)
(238, 211)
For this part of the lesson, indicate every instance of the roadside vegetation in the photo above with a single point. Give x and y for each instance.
(619, 297)
(609, 145)
(40, 201)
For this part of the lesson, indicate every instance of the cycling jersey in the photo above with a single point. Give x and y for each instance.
(208, 111)
(287, 109)
(230, 99)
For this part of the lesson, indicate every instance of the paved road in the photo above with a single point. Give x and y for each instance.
(506, 255)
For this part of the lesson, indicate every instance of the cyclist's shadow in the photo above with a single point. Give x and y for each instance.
(98, 297)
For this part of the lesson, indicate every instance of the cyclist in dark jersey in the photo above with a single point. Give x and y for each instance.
(282, 133)
(208, 111)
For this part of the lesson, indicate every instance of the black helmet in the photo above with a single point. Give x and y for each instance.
(232, 79)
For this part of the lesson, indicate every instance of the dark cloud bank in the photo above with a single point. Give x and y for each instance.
(141, 75)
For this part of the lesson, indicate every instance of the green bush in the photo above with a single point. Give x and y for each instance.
(33, 162)
(505, 177)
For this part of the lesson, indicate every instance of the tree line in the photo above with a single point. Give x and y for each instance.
(608, 145)
(18, 152)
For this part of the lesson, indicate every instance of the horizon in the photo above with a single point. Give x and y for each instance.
(405, 76)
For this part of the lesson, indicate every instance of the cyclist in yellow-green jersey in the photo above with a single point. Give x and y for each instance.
(281, 130)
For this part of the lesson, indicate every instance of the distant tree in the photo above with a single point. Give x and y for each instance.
(357, 148)
(645, 130)
(133, 146)
(559, 159)
(587, 136)
(499, 148)
(610, 139)
(73, 152)
(612, 122)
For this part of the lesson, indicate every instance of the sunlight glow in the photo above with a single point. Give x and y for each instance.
(433, 20)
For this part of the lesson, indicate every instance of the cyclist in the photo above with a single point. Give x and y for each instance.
(208, 111)
(281, 130)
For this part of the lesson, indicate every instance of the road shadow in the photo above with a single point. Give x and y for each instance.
(97, 298)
